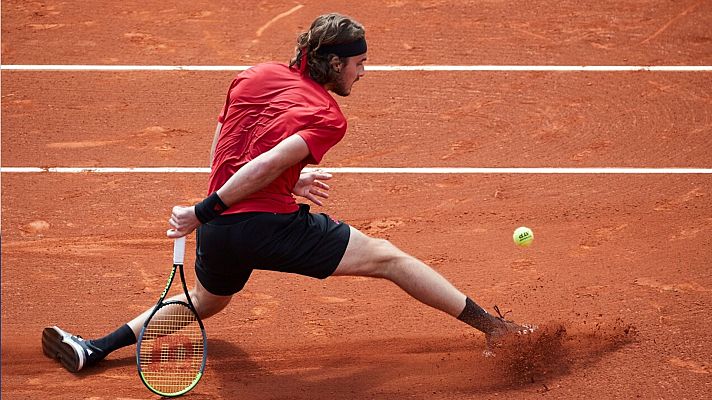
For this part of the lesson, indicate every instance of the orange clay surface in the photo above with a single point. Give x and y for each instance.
(618, 277)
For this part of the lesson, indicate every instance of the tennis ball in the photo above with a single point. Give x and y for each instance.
(523, 236)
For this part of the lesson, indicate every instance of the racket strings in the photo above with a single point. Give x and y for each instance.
(171, 353)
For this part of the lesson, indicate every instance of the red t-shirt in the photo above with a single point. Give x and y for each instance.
(266, 104)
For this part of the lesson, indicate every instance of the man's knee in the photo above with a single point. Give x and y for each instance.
(208, 304)
(386, 258)
(367, 256)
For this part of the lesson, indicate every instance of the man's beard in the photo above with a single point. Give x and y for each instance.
(341, 88)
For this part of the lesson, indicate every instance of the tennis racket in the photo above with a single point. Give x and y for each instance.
(172, 346)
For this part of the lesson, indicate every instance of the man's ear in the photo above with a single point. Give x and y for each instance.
(335, 63)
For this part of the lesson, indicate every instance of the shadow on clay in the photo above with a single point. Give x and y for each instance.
(412, 367)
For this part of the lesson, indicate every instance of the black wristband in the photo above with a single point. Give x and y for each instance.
(209, 208)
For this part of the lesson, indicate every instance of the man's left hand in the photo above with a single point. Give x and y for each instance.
(311, 187)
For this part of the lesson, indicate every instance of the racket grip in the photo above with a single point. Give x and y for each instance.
(179, 250)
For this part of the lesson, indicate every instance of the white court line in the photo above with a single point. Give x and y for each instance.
(513, 68)
(369, 170)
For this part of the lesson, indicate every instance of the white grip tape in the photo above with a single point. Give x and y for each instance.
(179, 250)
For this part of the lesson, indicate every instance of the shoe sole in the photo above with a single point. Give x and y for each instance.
(54, 346)
(494, 342)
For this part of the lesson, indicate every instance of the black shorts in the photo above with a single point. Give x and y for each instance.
(229, 247)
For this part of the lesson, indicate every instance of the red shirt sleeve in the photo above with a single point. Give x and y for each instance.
(328, 129)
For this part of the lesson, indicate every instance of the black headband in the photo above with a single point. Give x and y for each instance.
(344, 49)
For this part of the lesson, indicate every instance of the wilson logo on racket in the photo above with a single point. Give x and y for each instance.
(173, 354)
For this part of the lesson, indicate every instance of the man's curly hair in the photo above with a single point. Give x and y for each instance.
(327, 29)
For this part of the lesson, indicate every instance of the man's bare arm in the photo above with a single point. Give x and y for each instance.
(252, 177)
(264, 169)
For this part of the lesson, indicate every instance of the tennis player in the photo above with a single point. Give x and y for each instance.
(276, 120)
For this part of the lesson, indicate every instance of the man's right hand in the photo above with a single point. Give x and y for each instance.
(183, 221)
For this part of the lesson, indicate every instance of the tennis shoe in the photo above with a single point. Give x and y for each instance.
(73, 352)
(503, 329)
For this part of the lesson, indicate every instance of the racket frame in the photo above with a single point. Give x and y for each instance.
(178, 252)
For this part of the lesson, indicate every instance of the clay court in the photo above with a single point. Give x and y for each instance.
(618, 277)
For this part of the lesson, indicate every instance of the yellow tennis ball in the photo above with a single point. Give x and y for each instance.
(523, 236)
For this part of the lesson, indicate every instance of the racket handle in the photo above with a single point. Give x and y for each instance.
(179, 250)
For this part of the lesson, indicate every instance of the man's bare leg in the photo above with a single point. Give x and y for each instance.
(366, 256)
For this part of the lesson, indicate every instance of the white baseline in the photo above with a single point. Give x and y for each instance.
(387, 68)
(366, 170)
